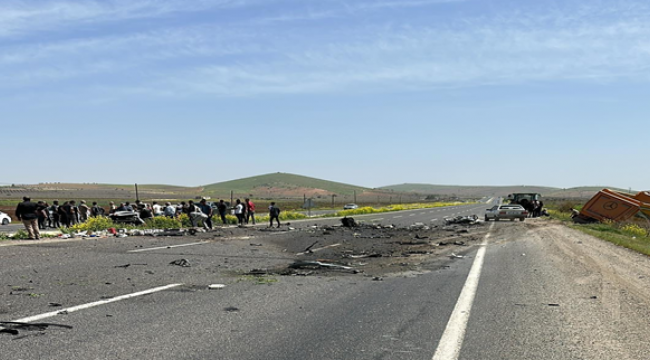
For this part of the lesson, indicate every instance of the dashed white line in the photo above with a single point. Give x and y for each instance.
(167, 247)
(377, 219)
(93, 304)
(412, 215)
(452, 339)
(397, 217)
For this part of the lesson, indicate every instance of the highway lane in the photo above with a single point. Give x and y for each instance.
(534, 300)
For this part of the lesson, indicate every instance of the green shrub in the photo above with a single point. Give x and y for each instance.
(94, 224)
(163, 222)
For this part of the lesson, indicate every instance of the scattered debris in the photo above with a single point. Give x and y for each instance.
(456, 256)
(308, 249)
(463, 220)
(554, 305)
(318, 264)
(459, 243)
(53, 304)
(377, 278)
(256, 244)
(181, 262)
(216, 286)
(231, 309)
(127, 265)
(348, 222)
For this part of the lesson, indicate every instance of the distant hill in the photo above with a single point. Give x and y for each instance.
(283, 184)
(467, 191)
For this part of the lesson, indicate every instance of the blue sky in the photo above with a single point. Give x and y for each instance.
(368, 92)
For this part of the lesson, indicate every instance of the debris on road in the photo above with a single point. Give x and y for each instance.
(216, 286)
(318, 264)
(454, 256)
(348, 222)
(463, 220)
(13, 327)
(181, 262)
(127, 265)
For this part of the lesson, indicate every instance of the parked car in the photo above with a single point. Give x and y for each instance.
(506, 211)
(5, 219)
(350, 206)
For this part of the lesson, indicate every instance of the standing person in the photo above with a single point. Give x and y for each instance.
(189, 209)
(96, 210)
(41, 211)
(27, 212)
(157, 209)
(222, 211)
(274, 213)
(111, 207)
(207, 210)
(64, 210)
(239, 212)
(145, 213)
(54, 218)
(74, 213)
(250, 214)
(169, 210)
(84, 211)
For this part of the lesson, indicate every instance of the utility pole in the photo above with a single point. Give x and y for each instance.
(355, 196)
(333, 196)
(231, 197)
(137, 196)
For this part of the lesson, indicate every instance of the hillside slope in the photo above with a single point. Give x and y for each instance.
(283, 183)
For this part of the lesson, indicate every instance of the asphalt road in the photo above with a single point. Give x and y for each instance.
(533, 291)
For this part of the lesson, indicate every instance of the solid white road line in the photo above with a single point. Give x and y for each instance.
(397, 217)
(377, 219)
(452, 339)
(167, 247)
(93, 304)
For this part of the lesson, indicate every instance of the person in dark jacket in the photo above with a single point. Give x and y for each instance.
(27, 212)
(222, 211)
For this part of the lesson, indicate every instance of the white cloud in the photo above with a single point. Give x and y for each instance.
(18, 18)
(602, 43)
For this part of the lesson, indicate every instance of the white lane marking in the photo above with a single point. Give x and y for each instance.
(452, 339)
(397, 217)
(377, 219)
(93, 304)
(412, 215)
(167, 247)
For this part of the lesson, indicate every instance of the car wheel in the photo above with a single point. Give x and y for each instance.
(486, 218)
(522, 219)
(496, 219)
(5, 221)
(513, 219)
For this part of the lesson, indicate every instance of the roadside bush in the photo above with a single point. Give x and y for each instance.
(94, 224)
(163, 222)
(634, 230)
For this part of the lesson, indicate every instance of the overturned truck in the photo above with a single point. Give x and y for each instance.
(615, 206)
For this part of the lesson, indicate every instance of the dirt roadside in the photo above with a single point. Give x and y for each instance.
(604, 290)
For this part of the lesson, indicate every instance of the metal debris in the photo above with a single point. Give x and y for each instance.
(181, 262)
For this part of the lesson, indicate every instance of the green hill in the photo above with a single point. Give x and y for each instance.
(282, 182)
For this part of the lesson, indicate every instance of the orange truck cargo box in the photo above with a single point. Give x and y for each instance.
(609, 205)
(644, 198)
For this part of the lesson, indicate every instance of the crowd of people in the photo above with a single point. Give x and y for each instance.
(42, 215)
